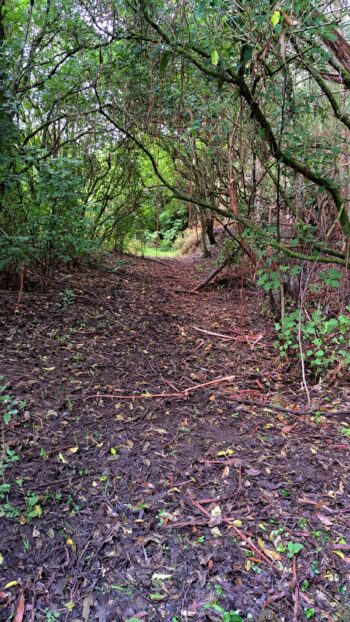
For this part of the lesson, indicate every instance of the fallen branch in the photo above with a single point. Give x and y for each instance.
(181, 394)
(209, 332)
(273, 598)
(296, 591)
(211, 275)
(242, 338)
(288, 411)
(186, 523)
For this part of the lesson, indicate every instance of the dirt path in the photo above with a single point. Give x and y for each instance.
(173, 508)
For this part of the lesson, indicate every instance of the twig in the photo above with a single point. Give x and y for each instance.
(287, 411)
(142, 396)
(300, 344)
(296, 591)
(302, 362)
(239, 533)
(21, 286)
(209, 332)
(181, 394)
(245, 338)
(251, 544)
(252, 345)
(273, 598)
(188, 523)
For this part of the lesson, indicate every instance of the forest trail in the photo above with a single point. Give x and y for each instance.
(164, 508)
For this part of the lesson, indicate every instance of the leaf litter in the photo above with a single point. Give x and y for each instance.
(185, 506)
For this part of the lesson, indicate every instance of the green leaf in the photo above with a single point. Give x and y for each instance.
(215, 57)
(294, 548)
(231, 616)
(276, 16)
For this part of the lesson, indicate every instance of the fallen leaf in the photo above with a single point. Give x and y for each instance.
(10, 584)
(225, 452)
(306, 501)
(216, 511)
(20, 609)
(272, 554)
(215, 531)
(70, 605)
(269, 552)
(38, 509)
(324, 519)
(288, 428)
(225, 473)
(253, 472)
(87, 604)
(71, 543)
(289, 20)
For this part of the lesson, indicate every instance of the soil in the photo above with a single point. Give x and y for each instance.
(222, 495)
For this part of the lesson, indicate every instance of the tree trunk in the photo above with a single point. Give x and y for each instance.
(210, 230)
(206, 251)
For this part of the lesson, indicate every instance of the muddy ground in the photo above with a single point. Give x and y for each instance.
(218, 502)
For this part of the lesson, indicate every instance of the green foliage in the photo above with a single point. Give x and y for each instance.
(271, 279)
(8, 404)
(52, 616)
(332, 278)
(231, 616)
(215, 57)
(46, 221)
(309, 613)
(172, 221)
(325, 342)
(294, 548)
(67, 298)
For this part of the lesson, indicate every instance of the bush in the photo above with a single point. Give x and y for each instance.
(325, 342)
(48, 224)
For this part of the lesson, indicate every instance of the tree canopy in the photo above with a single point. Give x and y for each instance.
(233, 109)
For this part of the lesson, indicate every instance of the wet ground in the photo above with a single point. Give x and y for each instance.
(157, 471)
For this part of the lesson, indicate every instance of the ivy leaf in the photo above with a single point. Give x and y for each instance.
(215, 57)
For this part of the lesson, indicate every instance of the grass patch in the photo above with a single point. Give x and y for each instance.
(151, 251)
